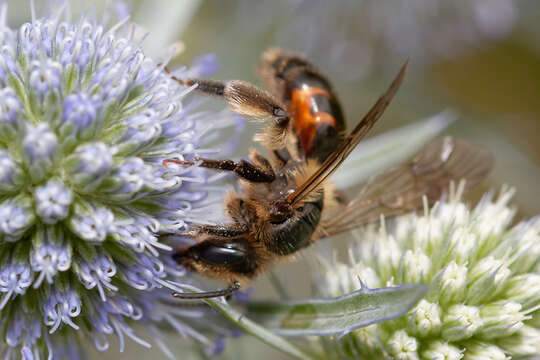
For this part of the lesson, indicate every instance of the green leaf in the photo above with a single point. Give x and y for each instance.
(391, 148)
(336, 315)
(258, 331)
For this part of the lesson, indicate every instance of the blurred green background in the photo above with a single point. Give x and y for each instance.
(481, 58)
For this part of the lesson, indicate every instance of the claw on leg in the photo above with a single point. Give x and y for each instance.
(179, 162)
(208, 294)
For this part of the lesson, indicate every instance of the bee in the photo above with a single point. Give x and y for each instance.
(285, 201)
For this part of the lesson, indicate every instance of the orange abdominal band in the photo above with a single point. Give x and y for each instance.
(307, 118)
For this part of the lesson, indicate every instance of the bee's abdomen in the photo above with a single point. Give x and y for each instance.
(317, 116)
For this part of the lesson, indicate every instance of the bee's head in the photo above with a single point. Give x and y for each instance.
(290, 228)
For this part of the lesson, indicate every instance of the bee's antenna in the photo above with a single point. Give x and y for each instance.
(208, 294)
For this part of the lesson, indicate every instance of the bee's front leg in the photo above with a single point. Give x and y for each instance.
(243, 168)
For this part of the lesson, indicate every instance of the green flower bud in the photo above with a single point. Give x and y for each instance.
(501, 319)
(438, 350)
(425, 319)
(402, 347)
(461, 322)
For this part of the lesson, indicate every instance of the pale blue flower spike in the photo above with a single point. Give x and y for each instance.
(15, 278)
(363, 286)
(52, 201)
(39, 151)
(340, 336)
(12, 108)
(202, 66)
(79, 115)
(11, 173)
(87, 119)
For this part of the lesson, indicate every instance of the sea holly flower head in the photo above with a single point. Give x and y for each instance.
(483, 276)
(86, 120)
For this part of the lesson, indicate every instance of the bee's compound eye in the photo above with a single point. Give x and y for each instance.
(279, 112)
(222, 254)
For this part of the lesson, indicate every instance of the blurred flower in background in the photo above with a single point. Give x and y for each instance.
(484, 283)
(364, 35)
(86, 121)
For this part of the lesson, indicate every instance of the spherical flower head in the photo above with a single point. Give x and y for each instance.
(86, 120)
(483, 276)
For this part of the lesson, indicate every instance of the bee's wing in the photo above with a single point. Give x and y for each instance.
(401, 189)
(347, 146)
